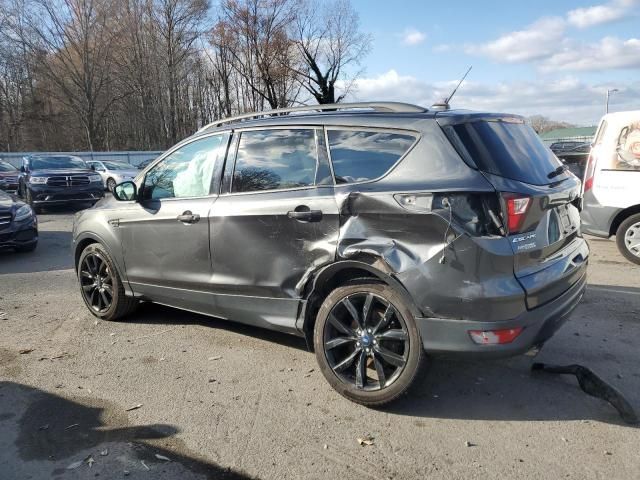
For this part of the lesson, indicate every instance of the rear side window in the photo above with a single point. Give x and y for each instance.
(508, 149)
(358, 156)
(274, 160)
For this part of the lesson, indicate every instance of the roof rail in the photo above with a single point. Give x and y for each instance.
(396, 107)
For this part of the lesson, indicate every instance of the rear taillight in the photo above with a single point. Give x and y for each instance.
(589, 173)
(517, 207)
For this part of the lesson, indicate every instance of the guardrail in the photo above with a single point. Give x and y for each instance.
(134, 158)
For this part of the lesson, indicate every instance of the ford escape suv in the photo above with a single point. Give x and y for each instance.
(377, 231)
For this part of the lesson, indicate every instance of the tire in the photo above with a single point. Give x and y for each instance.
(628, 236)
(337, 338)
(29, 200)
(111, 184)
(26, 249)
(96, 271)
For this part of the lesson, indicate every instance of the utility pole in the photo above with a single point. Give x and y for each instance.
(609, 92)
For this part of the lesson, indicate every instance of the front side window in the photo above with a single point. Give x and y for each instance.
(275, 160)
(358, 156)
(186, 172)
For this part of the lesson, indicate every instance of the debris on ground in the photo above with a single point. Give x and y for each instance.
(365, 441)
(75, 465)
(593, 385)
(162, 457)
(72, 426)
(104, 453)
(217, 357)
(469, 444)
(135, 407)
(144, 465)
(55, 357)
(24, 351)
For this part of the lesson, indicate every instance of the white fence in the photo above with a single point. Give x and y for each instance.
(134, 158)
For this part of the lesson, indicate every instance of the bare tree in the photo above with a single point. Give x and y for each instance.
(256, 35)
(542, 124)
(329, 40)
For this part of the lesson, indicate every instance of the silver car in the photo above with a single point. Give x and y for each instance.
(113, 173)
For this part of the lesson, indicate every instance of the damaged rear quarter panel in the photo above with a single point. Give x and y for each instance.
(476, 280)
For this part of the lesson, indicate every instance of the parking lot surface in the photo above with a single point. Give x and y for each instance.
(171, 394)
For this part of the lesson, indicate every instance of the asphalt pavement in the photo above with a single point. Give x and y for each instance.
(170, 394)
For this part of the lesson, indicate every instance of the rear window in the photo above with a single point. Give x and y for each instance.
(358, 156)
(508, 149)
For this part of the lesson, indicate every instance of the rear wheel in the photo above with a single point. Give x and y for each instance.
(367, 343)
(101, 286)
(111, 184)
(628, 238)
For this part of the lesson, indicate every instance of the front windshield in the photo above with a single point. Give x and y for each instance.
(7, 167)
(56, 162)
(118, 166)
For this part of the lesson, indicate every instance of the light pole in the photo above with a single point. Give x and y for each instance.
(609, 92)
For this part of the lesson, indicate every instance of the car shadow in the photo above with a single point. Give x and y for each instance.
(52, 253)
(151, 313)
(44, 435)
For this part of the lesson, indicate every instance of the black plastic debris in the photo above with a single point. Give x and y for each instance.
(594, 386)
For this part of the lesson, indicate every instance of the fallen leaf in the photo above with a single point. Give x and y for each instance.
(162, 457)
(24, 351)
(135, 407)
(365, 441)
(90, 461)
(104, 452)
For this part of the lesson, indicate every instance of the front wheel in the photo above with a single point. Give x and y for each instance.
(628, 238)
(367, 343)
(111, 184)
(100, 285)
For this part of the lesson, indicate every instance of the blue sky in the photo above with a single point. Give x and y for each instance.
(555, 58)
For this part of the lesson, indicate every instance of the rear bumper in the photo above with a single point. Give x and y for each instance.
(440, 335)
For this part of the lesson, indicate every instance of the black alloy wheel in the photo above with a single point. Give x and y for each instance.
(100, 284)
(96, 281)
(367, 343)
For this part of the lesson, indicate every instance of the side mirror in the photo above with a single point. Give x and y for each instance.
(93, 167)
(125, 191)
(22, 169)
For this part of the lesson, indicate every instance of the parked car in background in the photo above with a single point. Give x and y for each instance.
(564, 146)
(58, 180)
(611, 183)
(145, 163)
(113, 173)
(18, 224)
(8, 177)
(575, 158)
(376, 231)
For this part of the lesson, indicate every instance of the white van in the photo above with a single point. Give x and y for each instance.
(611, 184)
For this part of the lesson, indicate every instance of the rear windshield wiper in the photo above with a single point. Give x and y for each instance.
(558, 171)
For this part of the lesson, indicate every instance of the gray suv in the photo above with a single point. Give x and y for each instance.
(380, 232)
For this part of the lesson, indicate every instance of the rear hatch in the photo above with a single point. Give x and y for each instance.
(539, 199)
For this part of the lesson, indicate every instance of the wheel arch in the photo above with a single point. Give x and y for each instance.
(329, 277)
(86, 239)
(621, 216)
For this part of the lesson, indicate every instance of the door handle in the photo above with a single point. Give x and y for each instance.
(188, 217)
(305, 215)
